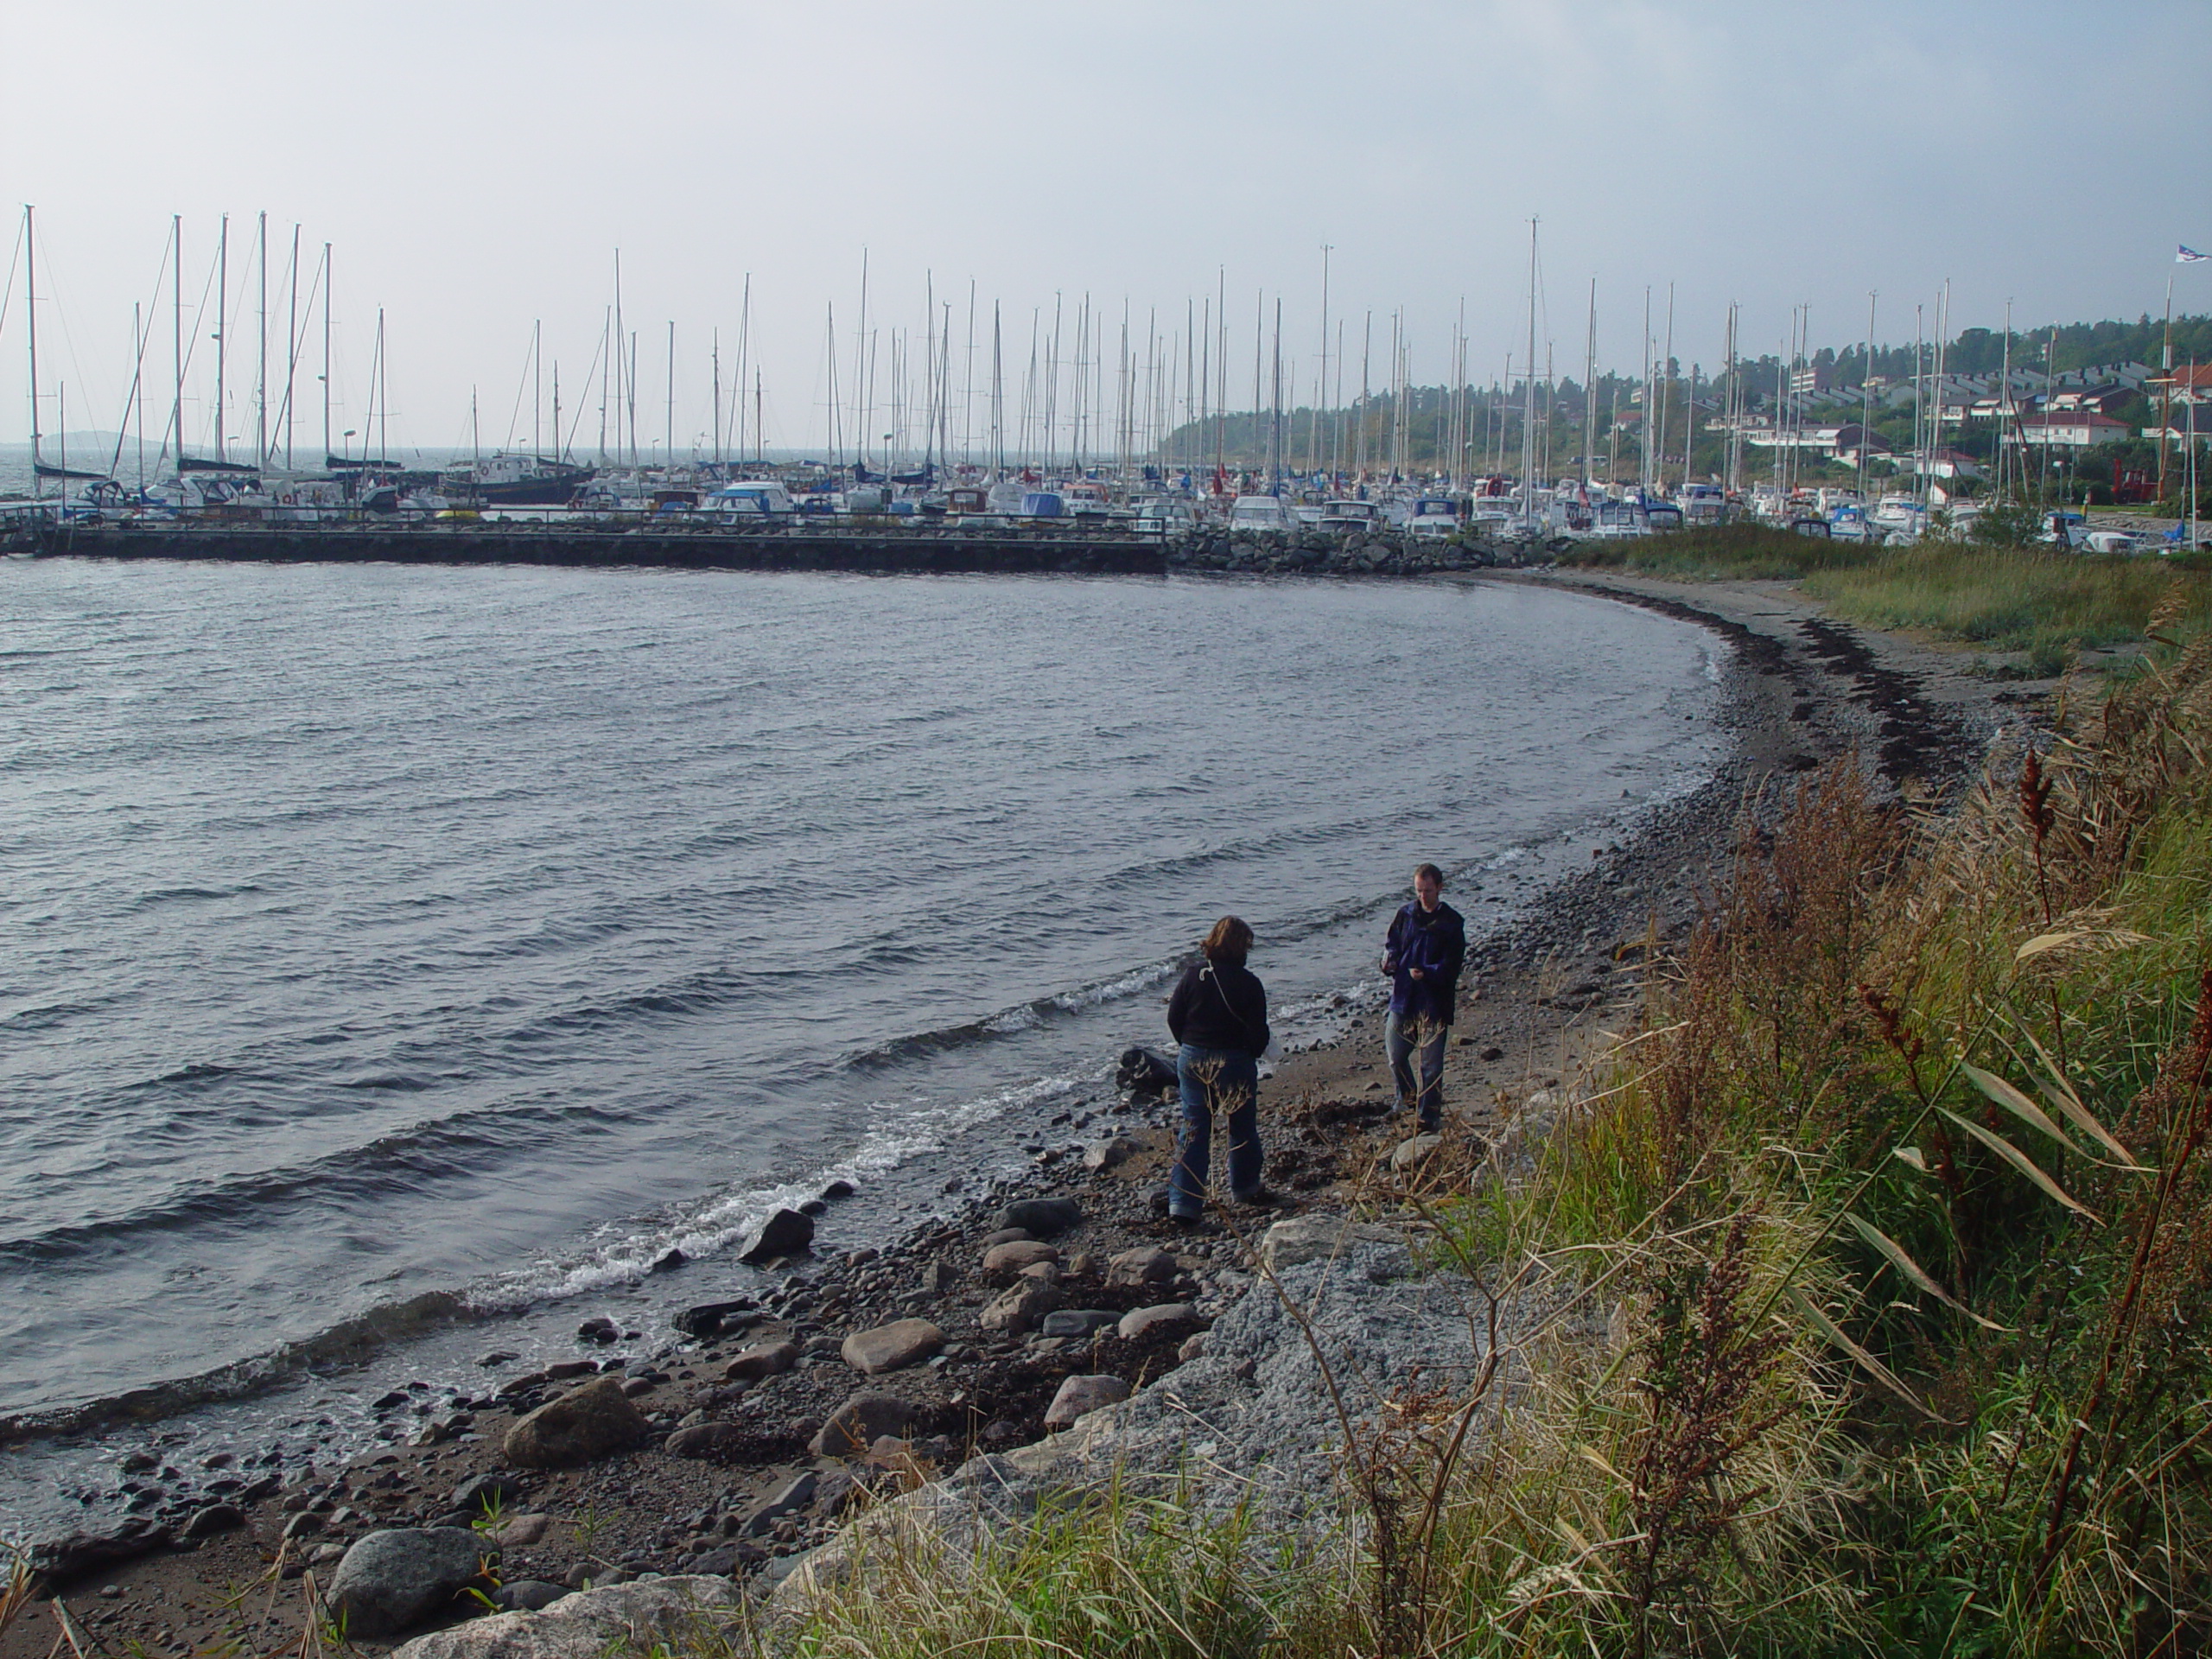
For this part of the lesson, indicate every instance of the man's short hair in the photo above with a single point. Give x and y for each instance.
(1430, 872)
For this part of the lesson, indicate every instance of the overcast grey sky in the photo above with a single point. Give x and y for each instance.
(476, 162)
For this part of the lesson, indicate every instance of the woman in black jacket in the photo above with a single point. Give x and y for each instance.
(1219, 1018)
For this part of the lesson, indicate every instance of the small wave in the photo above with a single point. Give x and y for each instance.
(625, 1253)
(1188, 863)
(196, 1072)
(1117, 988)
(346, 1343)
(184, 895)
(390, 1164)
(46, 1018)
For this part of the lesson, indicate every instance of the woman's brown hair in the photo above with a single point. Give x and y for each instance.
(1230, 943)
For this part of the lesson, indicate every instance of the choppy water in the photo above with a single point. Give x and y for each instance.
(402, 944)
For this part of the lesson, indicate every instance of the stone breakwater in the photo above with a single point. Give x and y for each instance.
(1358, 553)
(945, 552)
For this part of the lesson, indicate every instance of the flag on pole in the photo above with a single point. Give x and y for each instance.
(2189, 256)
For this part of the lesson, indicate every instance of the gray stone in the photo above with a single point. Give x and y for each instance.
(1007, 1236)
(1042, 1217)
(392, 1580)
(785, 1233)
(1110, 1154)
(1192, 1348)
(1146, 1264)
(860, 1423)
(479, 1494)
(1140, 1322)
(892, 1347)
(791, 1500)
(761, 1361)
(1079, 1395)
(1077, 1322)
(620, 1618)
(1020, 1308)
(703, 1439)
(586, 1423)
(522, 1531)
(528, 1595)
(212, 1522)
(1309, 1238)
(1002, 1261)
(1411, 1152)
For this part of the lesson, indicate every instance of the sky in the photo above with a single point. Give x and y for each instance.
(475, 164)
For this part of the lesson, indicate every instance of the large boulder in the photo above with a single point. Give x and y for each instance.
(704, 1440)
(1020, 1308)
(1079, 1395)
(761, 1361)
(620, 1618)
(794, 1497)
(392, 1580)
(1139, 1322)
(1309, 1238)
(1042, 1217)
(860, 1423)
(1146, 1264)
(1409, 1154)
(785, 1233)
(1110, 1154)
(1004, 1261)
(1143, 1071)
(892, 1347)
(719, 1318)
(1079, 1322)
(584, 1424)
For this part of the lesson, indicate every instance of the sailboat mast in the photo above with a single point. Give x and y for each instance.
(744, 346)
(291, 347)
(222, 325)
(261, 349)
(1590, 385)
(860, 362)
(328, 284)
(138, 395)
(176, 334)
(30, 272)
(1866, 393)
(716, 352)
(1313, 447)
(670, 438)
(1529, 416)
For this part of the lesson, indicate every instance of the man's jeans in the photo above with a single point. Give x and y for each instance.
(1402, 1036)
(1215, 1081)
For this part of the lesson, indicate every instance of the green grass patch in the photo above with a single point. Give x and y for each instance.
(2049, 605)
(2045, 604)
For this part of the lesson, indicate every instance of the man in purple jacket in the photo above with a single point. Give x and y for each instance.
(1428, 945)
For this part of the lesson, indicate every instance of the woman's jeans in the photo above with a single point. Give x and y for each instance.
(1219, 1085)
(1402, 1038)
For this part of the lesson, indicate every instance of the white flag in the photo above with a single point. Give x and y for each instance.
(2189, 256)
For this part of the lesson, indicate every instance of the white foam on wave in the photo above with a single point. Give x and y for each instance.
(621, 1253)
(1115, 990)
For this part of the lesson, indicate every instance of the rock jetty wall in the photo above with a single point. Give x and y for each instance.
(922, 553)
(919, 552)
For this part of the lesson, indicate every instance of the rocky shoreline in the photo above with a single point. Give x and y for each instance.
(728, 1449)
